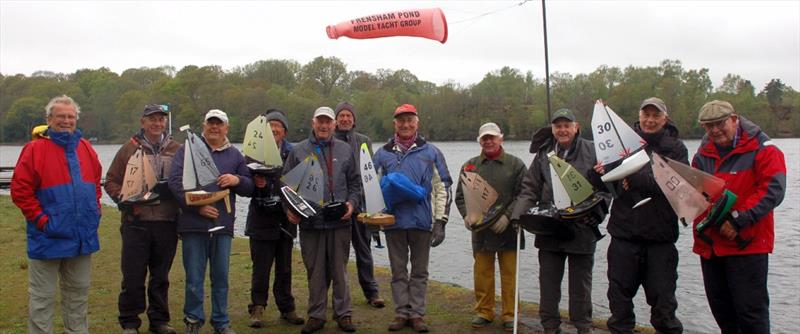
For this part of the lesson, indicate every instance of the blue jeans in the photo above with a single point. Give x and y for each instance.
(198, 249)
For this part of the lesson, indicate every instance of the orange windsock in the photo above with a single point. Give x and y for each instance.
(426, 23)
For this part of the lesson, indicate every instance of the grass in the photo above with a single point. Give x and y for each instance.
(449, 306)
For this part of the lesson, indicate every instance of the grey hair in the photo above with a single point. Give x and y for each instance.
(63, 99)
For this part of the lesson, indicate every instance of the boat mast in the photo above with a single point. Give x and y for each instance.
(546, 59)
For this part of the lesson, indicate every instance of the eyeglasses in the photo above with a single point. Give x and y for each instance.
(717, 124)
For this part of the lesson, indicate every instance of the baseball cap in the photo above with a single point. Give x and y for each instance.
(324, 111)
(489, 129)
(563, 113)
(218, 114)
(405, 109)
(152, 109)
(715, 111)
(655, 102)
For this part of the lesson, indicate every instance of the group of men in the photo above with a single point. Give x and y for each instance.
(56, 184)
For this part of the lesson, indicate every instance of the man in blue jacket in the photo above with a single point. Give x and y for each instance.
(200, 246)
(416, 187)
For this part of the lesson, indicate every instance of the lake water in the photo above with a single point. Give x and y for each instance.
(452, 261)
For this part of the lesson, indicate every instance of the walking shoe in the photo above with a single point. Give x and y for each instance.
(292, 318)
(192, 326)
(479, 322)
(163, 329)
(508, 326)
(224, 330)
(397, 324)
(419, 325)
(346, 324)
(255, 316)
(376, 302)
(312, 326)
(130, 331)
(556, 330)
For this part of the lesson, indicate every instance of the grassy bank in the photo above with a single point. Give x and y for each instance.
(449, 307)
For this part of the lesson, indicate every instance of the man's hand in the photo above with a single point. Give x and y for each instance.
(626, 184)
(728, 231)
(293, 217)
(599, 168)
(501, 225)
(260, 181)
(349, 212)
(227, 180)
(209, 212)
(470, 221)
(438, 232)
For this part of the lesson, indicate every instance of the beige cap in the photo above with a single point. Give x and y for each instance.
(324, 111)
(715, 111)
(216, 113)
(655, 102)
(489, 129)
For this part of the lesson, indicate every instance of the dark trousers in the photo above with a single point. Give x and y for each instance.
(652, 265)
(551, 272)
(736, 288)
(264, 253)
(325, 255)
(146, 247)
(361, 238)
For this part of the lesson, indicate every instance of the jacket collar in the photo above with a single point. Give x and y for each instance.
(65, 139)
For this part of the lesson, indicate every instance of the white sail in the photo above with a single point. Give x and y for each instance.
(295, 176)
(370, 182)
(687, 202)
(479, 195)
(259, 143)
(133, 182)
(150, 177)
(560, 196)
(613, 138)
(199, 169)
(312, 187)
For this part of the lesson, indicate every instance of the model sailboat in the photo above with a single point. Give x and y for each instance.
(140, 178)
(373, 197)
(303, 188)
(480, 198)
(199, 171)
(616, 142)
(691, 192)
(573, 194)
(260, 146)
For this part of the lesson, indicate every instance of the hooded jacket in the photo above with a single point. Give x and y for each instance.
(654, 221)
(537, 187)
(268, 223)
(343, 175)
(167, 208)
(56, 185)
(755, 170)
(229, 161)
(425, 166)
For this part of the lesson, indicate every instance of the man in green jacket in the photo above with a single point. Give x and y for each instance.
(503, 172)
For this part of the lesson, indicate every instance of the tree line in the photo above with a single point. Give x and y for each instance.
(111, 103)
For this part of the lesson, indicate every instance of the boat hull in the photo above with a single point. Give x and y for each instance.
(377, 219)
(628, 166)
(202, 197)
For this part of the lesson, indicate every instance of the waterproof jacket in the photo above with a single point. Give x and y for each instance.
(423, 164)
(338, 169)
(654, 221)
(355, 139)
(269, 223)
(505, 175)
(229, 161)
(755, 171)
(537, 187)
(56, 185)
(167, 207)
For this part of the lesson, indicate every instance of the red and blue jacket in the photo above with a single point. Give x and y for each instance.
(755, 171)
(56, 185)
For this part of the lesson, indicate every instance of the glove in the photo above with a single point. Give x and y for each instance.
(501, 225)
(438, 232)
(469, 222)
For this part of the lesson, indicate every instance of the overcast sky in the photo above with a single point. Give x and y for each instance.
(758, 40)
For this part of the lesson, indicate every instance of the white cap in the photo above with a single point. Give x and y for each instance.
(489, 129)
(216, 113)
(324, 111)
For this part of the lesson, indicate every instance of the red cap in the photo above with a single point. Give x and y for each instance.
(404, 109)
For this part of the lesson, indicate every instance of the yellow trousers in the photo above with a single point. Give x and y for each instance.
(484, 283)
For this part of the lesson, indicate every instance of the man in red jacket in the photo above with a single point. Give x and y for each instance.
(56, 185)
(735, 278)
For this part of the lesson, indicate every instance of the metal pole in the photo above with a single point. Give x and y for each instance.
(516, 282)
(546, 59)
